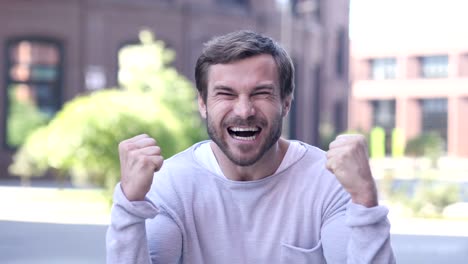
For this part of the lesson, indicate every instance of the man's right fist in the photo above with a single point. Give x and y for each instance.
(140, 157)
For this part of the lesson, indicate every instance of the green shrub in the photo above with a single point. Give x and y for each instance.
(426, 145)
(23, 119)
(82, 139)
(424, 198)
(30, 160)
(430, 199)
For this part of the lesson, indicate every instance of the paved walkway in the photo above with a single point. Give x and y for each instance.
(15, 205)
(430, 227)
(46, 243)
(43, 205)
(56, 232)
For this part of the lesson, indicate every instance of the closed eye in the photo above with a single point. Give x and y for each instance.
(262, 93)
(224, 94)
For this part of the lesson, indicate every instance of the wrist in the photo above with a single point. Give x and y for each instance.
(367, 196)
(131, 195)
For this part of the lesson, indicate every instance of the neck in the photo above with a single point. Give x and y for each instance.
(266, 166)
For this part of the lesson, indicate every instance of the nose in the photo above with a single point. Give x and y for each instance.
(244, 107)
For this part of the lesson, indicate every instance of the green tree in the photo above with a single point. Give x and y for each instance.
(82, 140)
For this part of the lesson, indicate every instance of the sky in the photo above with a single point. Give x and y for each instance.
(428, 19)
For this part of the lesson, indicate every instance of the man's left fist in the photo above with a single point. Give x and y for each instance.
(347, 158)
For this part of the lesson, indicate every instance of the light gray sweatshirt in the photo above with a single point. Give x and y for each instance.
(300, 214)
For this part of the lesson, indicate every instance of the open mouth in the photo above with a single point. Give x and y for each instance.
(244, 133)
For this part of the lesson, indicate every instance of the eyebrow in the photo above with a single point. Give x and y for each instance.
(222, 88)
(265, 87)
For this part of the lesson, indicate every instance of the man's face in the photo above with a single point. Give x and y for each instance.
(244, 109)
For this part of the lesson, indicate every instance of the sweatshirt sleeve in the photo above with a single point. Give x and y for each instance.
(127, 240)
(358, 235)
(369, 240)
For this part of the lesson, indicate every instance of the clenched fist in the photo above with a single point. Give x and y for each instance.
(347, 158)
(140, 157)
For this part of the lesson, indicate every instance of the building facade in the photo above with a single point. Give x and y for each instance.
(418, 85)
(55, 50)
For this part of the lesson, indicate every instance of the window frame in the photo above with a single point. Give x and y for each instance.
(430, 110)
(422, 65)
(57, 85)
(384, 62)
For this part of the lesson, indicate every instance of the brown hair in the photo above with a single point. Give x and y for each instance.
(239, 45)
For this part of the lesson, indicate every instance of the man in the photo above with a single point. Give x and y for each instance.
(248, 195)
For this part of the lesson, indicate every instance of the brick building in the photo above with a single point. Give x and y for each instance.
(54, 50)
(418, 84)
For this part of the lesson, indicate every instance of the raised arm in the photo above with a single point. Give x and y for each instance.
(128, 239)
(362, 230)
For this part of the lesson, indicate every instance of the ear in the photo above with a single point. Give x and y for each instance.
(201, 106)
(287, 105)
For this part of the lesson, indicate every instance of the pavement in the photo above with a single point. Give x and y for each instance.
(89, 213)
(51, 243)
(429, 227)
(415, 249)
(31, 208)
(33, 231)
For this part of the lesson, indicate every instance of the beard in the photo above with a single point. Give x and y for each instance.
(217, 135)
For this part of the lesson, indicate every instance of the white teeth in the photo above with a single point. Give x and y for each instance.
(235, 130)
(243, 129)
(244, 138)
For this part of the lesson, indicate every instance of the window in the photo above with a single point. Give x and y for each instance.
(383, 68)
(434, 66)
(434, 117)
(34, 70)
(384, 114)
(310, 8)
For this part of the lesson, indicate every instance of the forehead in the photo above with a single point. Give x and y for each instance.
(249, 71)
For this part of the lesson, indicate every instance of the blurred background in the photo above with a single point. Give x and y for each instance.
(79, 76)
